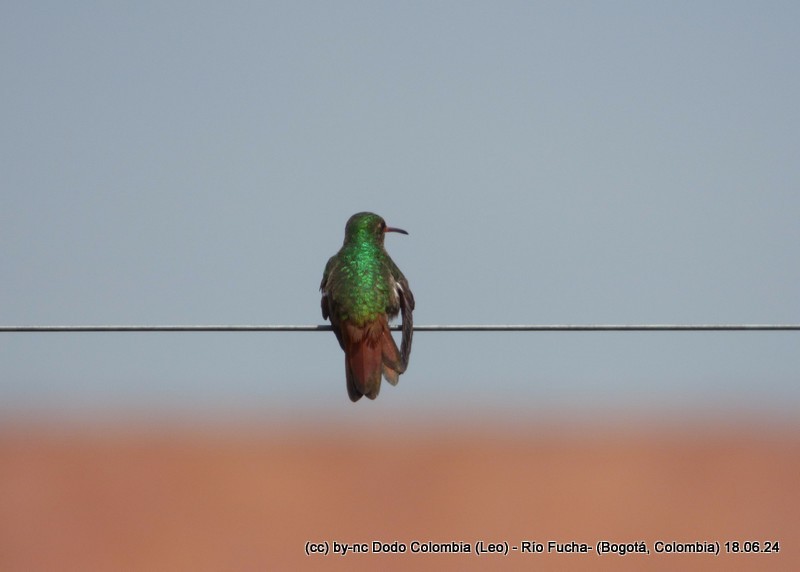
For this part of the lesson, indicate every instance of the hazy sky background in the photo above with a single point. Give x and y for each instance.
(553, 162)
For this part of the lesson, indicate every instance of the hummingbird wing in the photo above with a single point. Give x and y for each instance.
(406, 298)
(326, 302)
(325, 288)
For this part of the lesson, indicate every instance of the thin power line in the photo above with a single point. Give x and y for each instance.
(425, 328)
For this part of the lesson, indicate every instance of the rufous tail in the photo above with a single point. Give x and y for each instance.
(370, 352)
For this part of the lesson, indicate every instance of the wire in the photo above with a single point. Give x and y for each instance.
(425, 328)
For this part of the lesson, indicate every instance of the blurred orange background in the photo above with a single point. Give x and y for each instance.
(117, 496)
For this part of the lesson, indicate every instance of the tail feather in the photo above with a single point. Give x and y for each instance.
(364, 367)
(363, 361)
(393, 364)
(370, 352)
(353, 390)
(391, 375)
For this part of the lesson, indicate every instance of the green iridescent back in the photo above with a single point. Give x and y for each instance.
(361, 277)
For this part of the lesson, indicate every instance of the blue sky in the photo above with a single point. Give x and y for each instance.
(586, 162)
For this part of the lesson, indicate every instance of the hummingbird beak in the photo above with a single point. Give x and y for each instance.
(392, 229)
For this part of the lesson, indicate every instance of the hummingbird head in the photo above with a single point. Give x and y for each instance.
(367, 227)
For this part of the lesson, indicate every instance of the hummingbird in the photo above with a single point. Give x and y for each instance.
(362, 289)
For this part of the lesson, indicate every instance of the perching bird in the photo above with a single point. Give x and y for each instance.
(362, 289)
